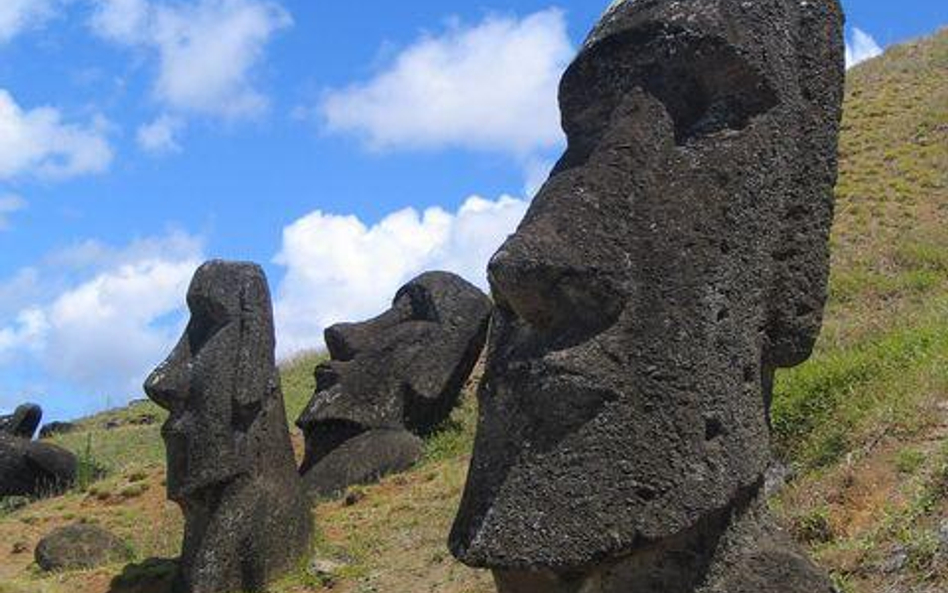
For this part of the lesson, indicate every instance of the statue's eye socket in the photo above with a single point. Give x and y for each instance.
(200, 333)
(207, 318)
(704, 84)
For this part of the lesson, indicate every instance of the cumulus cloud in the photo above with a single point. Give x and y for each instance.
(491, 86)
(9, 204)
(123, 21)
(18, 15)
(160, 136)
(207, 50)
(101, 335)
(37, 142)
(340, 269)
(861, 47)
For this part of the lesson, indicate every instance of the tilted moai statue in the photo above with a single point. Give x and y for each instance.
(230, 461)
(23, 422)
(675, 258)
(390, 380)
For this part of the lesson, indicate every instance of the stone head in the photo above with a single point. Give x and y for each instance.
(219, 382)
(676, 256)
(402, 370)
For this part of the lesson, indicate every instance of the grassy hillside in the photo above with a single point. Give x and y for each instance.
(865, 422)
(863, 426)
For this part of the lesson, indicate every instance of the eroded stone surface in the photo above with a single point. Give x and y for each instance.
(79, 546)
(389, 379)
(230, 461)
(675, 258)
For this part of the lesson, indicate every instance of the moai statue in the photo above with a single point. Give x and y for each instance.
(23, 422)
(230, 461)
(675, 258)
(391, 380)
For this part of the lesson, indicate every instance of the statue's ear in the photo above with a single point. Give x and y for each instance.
(801, 254)
(256, 376)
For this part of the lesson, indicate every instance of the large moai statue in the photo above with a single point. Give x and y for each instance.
(390, 381)
(675, 258)
(230, 461)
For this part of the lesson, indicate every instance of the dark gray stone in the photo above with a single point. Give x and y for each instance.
(29, 468)
(79, 546)
(401, 372)
(53, 428)
(230, 460)
(23, 422)
(675, 258)
(362, 459)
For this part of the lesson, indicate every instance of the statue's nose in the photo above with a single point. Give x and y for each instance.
(551, 292)
(167, 385)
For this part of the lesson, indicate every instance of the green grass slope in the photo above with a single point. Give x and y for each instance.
(863, 426)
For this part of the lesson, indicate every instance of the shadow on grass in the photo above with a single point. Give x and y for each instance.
(154, 575)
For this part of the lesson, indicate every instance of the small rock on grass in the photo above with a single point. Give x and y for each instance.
(79, 546)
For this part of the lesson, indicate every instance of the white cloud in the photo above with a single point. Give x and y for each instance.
(124, 21)
(339, 269)
(103, 334)
(160, 136)
(37, 142)
(207, 49)
(861, 47)
(9, 204)
(537, 171)
(492, 86)
(17, 15)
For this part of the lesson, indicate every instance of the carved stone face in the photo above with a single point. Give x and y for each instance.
(401, 371)
(675, 257)
(215, 379)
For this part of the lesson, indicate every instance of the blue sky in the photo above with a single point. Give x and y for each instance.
(346, 147)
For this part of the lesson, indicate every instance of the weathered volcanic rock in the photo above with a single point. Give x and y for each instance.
(23, 422)
(29, 468)
(675, 258)
(363, 459)
(230, 460)
(54, 428)
(401, 372)
(79, 546)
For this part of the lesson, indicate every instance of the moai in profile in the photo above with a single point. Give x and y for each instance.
(391, 380)
(23, 422)
(230, 461)
(675, 258)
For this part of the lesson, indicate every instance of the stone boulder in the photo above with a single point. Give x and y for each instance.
(363, 459)
(230, 461)
(29, 468)
(390, 380)
(677, 256)
(23, 422)
(80, 546)
(53, 428)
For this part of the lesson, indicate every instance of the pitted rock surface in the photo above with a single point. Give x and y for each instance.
(230, 460)
(677, 256)
(80, 546)
(390, 380)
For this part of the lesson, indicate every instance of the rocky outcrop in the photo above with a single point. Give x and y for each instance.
(23, 422)
(33, 469)
(675, 258)
(391, 380)
(230, 461)
(80, 546)
(54, 428)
